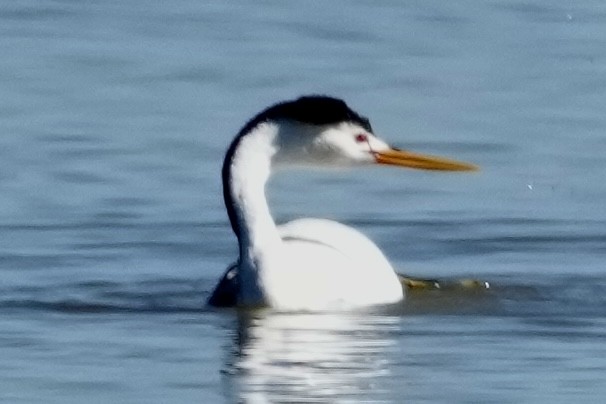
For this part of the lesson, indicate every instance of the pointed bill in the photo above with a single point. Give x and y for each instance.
(408, 159)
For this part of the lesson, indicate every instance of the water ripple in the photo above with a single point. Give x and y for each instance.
(580, 297)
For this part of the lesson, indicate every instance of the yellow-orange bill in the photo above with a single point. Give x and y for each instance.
(408, 159)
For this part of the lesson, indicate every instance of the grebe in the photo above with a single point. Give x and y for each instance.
(306, 264)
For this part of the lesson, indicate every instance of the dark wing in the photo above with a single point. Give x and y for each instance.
(226, 292)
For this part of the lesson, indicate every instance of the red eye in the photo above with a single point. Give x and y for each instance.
(361, 138)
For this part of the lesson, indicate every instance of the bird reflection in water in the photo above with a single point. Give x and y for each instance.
(320, 357)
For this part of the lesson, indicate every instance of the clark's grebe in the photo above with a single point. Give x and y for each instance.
(306, 264)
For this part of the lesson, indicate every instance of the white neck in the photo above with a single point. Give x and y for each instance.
(247, 174)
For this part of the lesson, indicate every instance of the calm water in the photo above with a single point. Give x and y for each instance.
(114, 117)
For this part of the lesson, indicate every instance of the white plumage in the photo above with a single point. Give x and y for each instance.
(307, 264)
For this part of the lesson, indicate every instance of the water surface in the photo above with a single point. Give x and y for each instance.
(114, 118)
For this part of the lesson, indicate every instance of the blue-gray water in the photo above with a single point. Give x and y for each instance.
(114, 117)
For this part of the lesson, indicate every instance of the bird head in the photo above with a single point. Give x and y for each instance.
(324, 131)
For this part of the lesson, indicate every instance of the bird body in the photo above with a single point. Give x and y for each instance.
(338, 265)
(307, 264)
